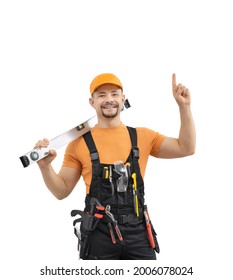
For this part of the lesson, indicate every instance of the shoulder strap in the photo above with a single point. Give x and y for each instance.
(92, 147)
(134, 139)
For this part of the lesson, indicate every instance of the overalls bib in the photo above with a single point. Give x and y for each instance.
(126, 204)
(105, 191)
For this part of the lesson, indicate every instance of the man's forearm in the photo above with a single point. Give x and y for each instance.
(54, 182)
(187, 135)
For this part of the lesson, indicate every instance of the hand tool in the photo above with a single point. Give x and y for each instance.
(105, 173)
(61, 140)
(148, 226)
(135, 194)
(122, 181)
(127, 165)
(113, 221)
(90, 219)
(95, 204)
(110, 179)
(111, 233)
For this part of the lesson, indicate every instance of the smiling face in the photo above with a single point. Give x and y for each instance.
(107, 100)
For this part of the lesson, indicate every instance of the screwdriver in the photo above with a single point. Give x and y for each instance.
(134, 176)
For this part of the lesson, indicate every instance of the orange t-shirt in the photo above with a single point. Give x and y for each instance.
(112, 144)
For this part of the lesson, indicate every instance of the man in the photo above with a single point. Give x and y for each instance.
(112, 160)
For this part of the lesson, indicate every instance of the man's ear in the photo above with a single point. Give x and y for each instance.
(91, 101)
(123, 101)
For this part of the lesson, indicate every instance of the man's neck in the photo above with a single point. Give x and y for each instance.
(108, 123)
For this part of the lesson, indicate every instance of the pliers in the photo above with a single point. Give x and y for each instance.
(115, 225)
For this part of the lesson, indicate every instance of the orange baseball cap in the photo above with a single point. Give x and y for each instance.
(106, 78)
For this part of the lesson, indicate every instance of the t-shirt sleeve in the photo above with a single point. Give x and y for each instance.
(155, 140)
(70, 157)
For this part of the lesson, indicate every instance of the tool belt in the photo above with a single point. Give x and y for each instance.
(124, 219)
(98, 213)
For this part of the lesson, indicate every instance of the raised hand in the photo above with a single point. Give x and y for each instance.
(180, 92)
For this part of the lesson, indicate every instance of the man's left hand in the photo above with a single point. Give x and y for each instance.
(180, 92)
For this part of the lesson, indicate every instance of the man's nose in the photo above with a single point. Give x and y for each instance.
(109, 97)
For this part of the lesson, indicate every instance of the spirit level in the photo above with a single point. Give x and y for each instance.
(61, 140)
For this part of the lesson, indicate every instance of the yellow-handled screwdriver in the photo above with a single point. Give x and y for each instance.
(134, 176)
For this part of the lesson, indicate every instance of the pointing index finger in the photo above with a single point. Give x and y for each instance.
(174, 82)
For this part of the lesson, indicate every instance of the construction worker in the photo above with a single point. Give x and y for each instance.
(112, 160)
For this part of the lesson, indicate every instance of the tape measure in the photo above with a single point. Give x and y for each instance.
(63, 139)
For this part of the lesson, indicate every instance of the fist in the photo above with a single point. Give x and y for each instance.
(50, 157)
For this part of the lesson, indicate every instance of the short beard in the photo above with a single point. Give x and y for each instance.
(110, 116)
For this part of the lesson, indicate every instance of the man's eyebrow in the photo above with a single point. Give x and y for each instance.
(116, 90)
(104, 92)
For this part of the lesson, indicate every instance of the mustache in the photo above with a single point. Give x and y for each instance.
(112, 103)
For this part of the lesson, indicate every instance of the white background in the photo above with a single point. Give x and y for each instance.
(49, 53)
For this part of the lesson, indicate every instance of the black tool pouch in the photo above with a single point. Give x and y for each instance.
(85, 243)
(157, 249)
(88, 224)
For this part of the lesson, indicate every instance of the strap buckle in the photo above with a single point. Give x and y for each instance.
(135, 152)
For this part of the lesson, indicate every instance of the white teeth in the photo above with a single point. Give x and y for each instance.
(108, 107)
